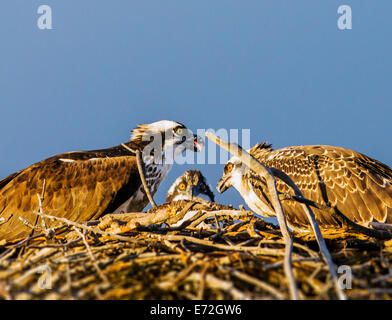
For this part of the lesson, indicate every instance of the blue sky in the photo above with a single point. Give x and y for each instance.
(281, 68)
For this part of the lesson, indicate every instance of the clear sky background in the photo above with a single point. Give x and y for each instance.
(281, 68)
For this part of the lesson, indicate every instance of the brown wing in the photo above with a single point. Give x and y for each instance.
(80, 190)
(360, 187)
(294, 212)
(8, 179)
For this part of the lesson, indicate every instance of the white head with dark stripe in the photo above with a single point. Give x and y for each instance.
(165, 139)
(189, 185)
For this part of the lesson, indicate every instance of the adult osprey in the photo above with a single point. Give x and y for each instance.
(359, 186)
(85, 185)
(188, 186)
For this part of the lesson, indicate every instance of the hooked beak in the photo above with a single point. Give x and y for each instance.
(198, 143)
(223, 184)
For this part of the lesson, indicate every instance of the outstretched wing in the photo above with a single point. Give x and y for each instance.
(78, 187)
(359, 186)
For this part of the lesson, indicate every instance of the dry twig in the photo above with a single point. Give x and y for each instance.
(139, 162)
(264, 172)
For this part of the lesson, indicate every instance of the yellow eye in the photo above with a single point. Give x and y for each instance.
(229, 167)
(182, 186)
(179, 131)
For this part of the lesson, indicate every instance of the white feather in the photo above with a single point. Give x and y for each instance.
(67, 160)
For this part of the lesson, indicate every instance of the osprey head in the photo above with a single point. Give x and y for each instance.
(233, 172)
(166, 136)
(191, 184)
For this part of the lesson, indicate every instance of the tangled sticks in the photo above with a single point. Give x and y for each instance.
(235, 255)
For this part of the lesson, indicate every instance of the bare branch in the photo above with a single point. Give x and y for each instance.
(255, 165)
(140, 166)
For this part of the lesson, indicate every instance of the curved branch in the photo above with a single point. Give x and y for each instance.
(139, 162)
(255, 165)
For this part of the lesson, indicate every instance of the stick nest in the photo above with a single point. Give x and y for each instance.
(218, 253)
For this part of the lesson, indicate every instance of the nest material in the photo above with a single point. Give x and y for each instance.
(219, 253)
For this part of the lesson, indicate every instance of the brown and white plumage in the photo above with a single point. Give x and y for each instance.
(359, 186)
(188, 186)
(84, 185)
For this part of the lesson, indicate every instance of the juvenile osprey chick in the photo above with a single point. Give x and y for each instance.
(191, 184)
(357, 185)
